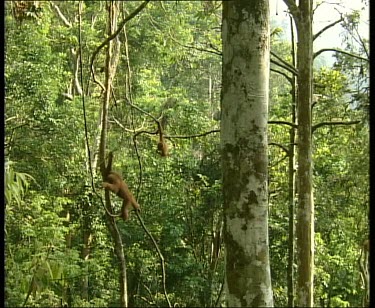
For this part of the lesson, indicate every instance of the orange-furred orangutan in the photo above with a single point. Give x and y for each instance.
(116, 184)
(162, 145)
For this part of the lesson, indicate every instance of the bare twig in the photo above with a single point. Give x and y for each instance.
(317, 6)
(315, 36)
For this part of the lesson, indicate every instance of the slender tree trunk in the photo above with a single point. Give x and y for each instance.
(303, 16)
(215, 247)
(244, 109)
(305, 216)
(292, 182)
(112, 56)
(291, 227)
(68, 244)
(75, 84)
(87, 239)
(364, 272)
(96, 143)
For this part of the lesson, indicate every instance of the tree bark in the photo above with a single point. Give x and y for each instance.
(244, 109)
(303, 17)
(292, 181)
(305, 216)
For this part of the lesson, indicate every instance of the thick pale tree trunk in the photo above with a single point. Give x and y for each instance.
(244, 152)
(303, 16)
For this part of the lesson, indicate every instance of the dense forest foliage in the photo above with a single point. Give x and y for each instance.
(58, 246)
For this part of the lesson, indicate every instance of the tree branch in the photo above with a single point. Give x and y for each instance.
(315, 127)
(362, 43)
(282, 73)
(280, 146)
(283, 123)
(327, 27)
(290, 67)
(283, 66)
(61, 15)
(193, 136)
(202, 49)
(215, 52)
(124, 128)
(139, 109)
(317, 6)
(293, 8)
(340, 51)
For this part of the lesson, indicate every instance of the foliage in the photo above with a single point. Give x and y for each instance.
(53, 214)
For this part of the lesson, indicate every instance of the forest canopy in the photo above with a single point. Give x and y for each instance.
(135, 87)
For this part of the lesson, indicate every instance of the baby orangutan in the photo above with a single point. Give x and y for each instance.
(116, 184)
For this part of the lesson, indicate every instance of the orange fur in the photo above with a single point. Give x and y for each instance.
(163, 148)
(116, 184)
(162, 145)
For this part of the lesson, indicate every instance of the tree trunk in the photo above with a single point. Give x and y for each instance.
(112, 56)
(303, 16)
(244, 108)
(305, 216)
(86, 249)
(292, 181)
